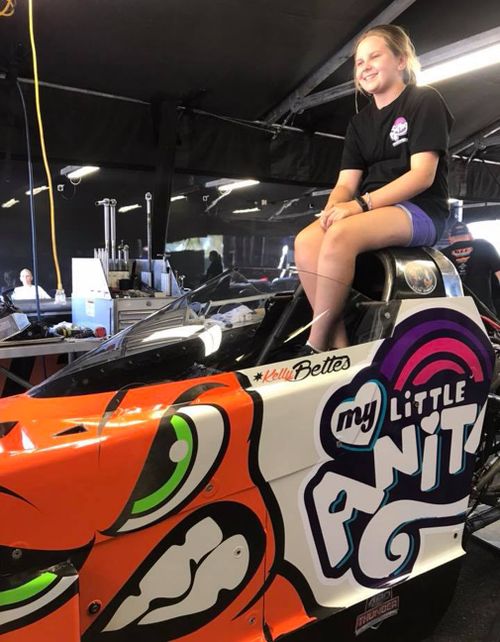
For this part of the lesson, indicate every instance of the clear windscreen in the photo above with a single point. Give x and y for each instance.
(227, 325)
(208, 327)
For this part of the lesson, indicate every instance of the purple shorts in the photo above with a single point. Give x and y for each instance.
(423, 229)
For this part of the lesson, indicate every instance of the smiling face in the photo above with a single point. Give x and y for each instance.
(26, 277)
(377, 70)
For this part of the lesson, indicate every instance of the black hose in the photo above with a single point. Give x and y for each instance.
(485, 518)
(34, 255)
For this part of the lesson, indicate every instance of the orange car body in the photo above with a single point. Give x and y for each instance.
(242, 506)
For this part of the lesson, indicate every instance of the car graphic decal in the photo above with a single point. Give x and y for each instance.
(36, 596)
(178, 464)
(215, 551)
(395, 449)
(180, 443)
(368, 518)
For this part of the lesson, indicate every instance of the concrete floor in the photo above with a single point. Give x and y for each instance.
(474, 614)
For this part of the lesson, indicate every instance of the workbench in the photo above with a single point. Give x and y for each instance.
(11, 351)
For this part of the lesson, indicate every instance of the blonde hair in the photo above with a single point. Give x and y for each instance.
(400, 44)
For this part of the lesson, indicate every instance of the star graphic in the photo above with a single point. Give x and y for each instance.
(258, 376)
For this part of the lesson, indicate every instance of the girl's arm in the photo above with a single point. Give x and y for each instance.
(344, 190)
(420, 177)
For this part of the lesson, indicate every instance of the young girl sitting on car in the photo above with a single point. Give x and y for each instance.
(392, 187)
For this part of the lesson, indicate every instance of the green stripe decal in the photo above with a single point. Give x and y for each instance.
(28, 590)
(183, 433)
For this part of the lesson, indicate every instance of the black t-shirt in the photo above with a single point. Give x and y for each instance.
(214, 269)
(381, 141)
(476, 262)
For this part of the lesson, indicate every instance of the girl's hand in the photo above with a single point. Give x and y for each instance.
(337, 212)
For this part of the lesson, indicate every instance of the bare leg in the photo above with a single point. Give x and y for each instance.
(307, 249)
(338, 335)
(343, 241)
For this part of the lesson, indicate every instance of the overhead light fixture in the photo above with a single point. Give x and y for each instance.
(229, 187)
(37, 190)
(459, 65)
(74, 172)
(10, 203)
(180, 197)
(250, 209)
(128, 208)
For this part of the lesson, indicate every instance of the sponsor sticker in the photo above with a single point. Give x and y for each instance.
(400, 435)
(420, 277)
(378, 609)
(304, 369)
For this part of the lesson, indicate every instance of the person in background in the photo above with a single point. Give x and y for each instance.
(27, 289)
(9, 279)
(215, 267)
(476, 260)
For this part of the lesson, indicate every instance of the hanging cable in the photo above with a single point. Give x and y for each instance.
(8, 9)
(60, 290)
(34, 255)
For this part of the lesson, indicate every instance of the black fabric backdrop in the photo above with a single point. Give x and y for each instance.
(84, 129)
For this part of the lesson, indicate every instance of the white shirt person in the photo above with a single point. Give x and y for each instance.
(27, 289)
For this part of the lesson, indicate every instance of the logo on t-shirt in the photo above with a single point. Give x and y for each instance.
(461, 256)
(399, 131)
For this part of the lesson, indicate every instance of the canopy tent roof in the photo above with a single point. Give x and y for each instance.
(239, 59)
(233, 59)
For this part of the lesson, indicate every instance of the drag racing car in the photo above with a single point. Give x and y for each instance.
(199, 477)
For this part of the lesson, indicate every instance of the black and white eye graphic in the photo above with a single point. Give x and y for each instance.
(185, 452)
